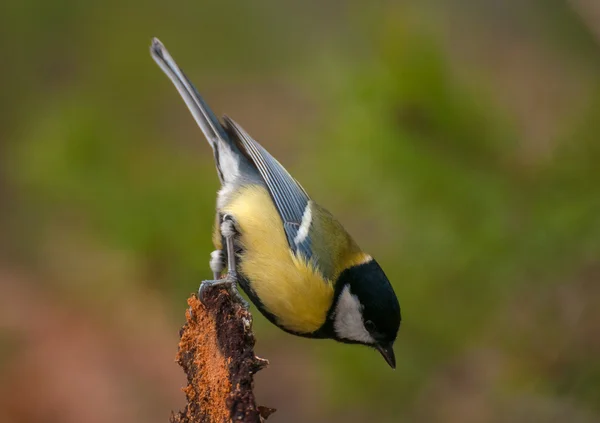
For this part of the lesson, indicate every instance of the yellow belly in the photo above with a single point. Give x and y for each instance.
(289, 288)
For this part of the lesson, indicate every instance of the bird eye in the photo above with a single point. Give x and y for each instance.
(370, 326)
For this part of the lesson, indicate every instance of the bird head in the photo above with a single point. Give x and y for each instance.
(366, 310)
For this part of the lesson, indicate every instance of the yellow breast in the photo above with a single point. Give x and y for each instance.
(289, 288)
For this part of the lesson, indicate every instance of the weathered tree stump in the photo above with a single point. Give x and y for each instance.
(216, 352)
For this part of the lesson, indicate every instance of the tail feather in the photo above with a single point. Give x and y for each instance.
(206, 119)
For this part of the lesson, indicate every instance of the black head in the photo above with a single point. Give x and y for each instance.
(366, 309)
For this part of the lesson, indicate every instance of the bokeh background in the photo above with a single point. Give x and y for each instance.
(458, 141)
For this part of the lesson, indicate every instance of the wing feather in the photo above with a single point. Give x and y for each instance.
(290, 199)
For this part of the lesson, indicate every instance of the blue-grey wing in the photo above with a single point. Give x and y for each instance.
(290, 199)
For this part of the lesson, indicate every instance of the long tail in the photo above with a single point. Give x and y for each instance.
(206, 119)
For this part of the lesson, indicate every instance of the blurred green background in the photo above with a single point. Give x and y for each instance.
(457, 141)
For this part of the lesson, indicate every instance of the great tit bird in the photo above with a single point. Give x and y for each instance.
(292, 258)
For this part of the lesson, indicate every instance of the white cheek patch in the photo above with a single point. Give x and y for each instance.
(348, 322)
(304, 225)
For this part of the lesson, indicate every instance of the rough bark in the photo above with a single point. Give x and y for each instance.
(216, 352)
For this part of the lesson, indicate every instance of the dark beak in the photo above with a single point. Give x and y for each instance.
(387, 351)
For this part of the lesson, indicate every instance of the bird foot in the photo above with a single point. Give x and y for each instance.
(229, 282)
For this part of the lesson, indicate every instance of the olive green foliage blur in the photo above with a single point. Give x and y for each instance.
(458, 143)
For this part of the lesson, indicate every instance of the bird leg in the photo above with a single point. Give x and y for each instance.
(229, 231)
(217, 263)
